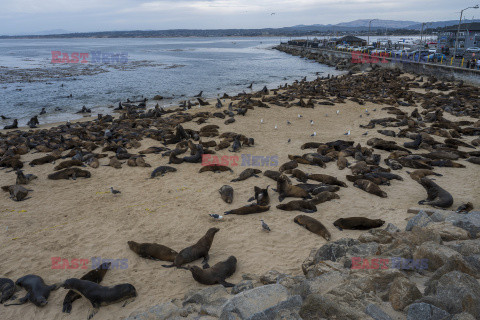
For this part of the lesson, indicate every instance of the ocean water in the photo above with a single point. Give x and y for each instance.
(176, 68)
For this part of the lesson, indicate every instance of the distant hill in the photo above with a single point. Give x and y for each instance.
(378, 23)
(441, 24)
(46, 32)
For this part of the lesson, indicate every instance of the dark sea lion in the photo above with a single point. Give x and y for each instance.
(215, 168)
(324, 197)
(376, 180)
(95, 275)
(196, 251)
(226, 192)
(153, 251)
(420, 173)
(446, 163)
(43, 160)
(17, 192)
(286, 189)
(288, 165)
(24, 178)
(73, 173)
(247, 173)
(99, 295)
(415, 143)
(313, 225)
(298, 174)
(474, 160)
(114, 163)
(160, 171)
(393, 164)
(436, 196)
(342, 163)
(68, 164)
(311, 145)
(357, 223)
(323, 188)
(216, 274)
(415, 164)
(273, 174)
(465, 207)
(299, 205)
(261, 195)
(370, 187)
(441, 155)
(197, 156)
(248, 209)
(327, 179)
(37, 291)
(14, 125)
(7, 289)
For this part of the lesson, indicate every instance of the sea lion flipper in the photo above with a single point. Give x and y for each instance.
(308, 211)
(205, 262)
(251, 199)
(56, 286)
(128, 301)
(19, 301)
(339, 228)
(67, 306)
(92, 313)
(421, 202)
(256, 176)
(168, 266)
(226, 284)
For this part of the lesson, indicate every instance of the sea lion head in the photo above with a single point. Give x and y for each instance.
(69, 283)
(38, 301)
(132, 245)
(212, 231)
(379, 222)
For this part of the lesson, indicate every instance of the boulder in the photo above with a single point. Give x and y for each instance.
(420, 220)
(436, 254)
(376, 235)
(402, 293)
(317, 306)
(242, 286)
(213, 294)
(469, 222)
(465, 248)
(376, 313)
(158, 312)
(425, 311)
(447, 231)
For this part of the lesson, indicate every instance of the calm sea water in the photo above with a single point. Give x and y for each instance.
(176, 68)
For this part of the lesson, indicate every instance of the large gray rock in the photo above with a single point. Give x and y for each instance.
(474, 262)
(292, 304)
(425, 311)
(455, 292)
(463, 316)
(242, 286)
(335, 249)
(158, 312)
(271, 277)
(466, 247)
(376, 235)
(447, 231)
(402, 293)
(317, 306)
(436, 254)
(248, 303)
(420, 220)
(391, 228)
(469, 222)
(376, 313)
(213, 294)
(320, 284)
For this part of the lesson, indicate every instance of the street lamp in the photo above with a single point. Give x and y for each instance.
(369, 24)
(421, 34)
(458, 30)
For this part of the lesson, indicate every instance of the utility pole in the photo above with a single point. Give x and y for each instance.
(458, 29)
(368, 37)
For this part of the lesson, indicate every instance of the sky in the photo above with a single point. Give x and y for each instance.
(28, 16)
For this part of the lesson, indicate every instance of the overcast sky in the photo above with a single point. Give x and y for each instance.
(24, 16)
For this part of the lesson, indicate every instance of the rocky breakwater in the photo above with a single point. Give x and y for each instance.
(341, 61)
(429, 271)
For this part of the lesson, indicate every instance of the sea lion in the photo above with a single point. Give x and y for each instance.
(7, 289)
(300, 205)
(14, 125)
(247, 173)
(342, 163)
(216, 274)
(436, 196)
(95, 275)
(370, 187)
(197, 156)
(274, 175)
(324, 196)
(261, 195)
(99, 295)
(37, 291)
(474, 160)
(465, 207)
(446, 163)
(17, 192)
(68, 164)
(327, 179)
(226, 192)
(376, 180)
(420, 173)
(24, 178)
(288, 165)
(43, 160)
(313, 225)
(393, 164)
(323, 188)
(298, 174)
(160, 171)
(73, 173)
(286, 189)
(357, 223)
(311, 145)
(198, 250)
(114, 163)
(215, 168)
(248, 209)
(415, 164)
(153, 251)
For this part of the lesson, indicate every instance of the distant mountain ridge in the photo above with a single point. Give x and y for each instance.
(378, 23)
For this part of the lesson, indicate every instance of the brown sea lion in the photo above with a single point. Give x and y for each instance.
(95, 275)
(420, 173)
(288, 165)
(415, 164)
(45, 159)
(286, 189)
(298, 174)
(248, 209)
(311, 145)
(342, 163)
(300, 205)
(273, 175)
(198, 250)
(99, 295)
(436, 196)
(162, 170)
(37, 291)
(7, 289)
(152, 251)
(247, 173)
(324, 196)
(24, 178)
(215, 168)
(357, 223)
(216, 274)
(73, 173)
(226, 192)
(327, 179)
(68, 164)
(17, 192)
(114, 163)
(370, 187)
(446, 163)
(313, 225)
(261, 195)
(474, 160)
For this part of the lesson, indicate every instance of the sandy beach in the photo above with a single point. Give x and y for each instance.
(81, 219)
